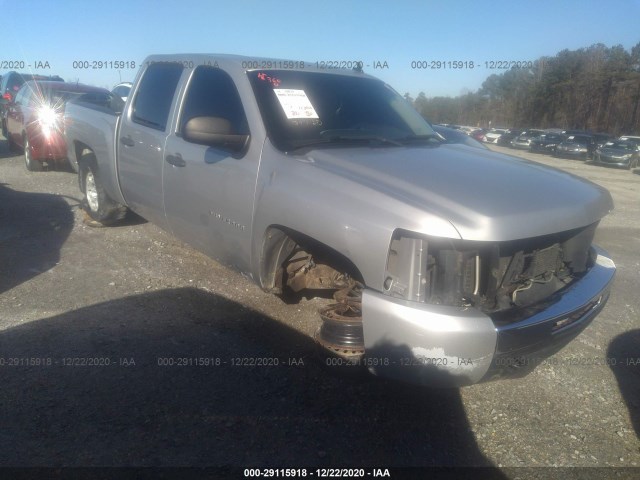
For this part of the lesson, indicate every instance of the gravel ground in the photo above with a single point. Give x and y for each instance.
(89, 318)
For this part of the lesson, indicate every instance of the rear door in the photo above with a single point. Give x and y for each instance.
(209, 191)
(141, 140)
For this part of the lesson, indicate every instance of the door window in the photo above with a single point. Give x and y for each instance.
(153, 101)
(212, 93)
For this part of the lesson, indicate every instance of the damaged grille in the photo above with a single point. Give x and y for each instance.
(495, 277)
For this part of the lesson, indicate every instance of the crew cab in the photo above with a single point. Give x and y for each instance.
(450, 264)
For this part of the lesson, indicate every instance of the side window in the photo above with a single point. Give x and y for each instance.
(97, 98)
(155, 94)
(15, 82)
(29, 96)
(212, 93)
(20, 96)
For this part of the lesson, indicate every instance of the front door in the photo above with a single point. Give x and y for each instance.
(209, 191)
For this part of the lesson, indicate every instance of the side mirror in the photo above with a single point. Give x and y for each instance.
(214, 132)
(115, 103)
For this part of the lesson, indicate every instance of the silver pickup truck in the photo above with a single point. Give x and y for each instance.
(450, 264)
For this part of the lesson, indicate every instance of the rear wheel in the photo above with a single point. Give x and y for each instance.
(97, 203)
(31, 164)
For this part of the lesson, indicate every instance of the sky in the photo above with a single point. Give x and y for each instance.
(392, 39)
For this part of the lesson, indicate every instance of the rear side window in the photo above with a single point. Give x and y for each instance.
(20, 97)
(155, 94)
(212, 93)
(16, 82)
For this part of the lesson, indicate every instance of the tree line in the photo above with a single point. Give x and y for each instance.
(595, 88)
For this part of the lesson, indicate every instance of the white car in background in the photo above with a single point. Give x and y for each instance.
(493, 135)
(467, 129)
(122, 90)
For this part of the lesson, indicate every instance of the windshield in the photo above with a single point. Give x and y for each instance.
(578, 140)
(551, 137)
(621, 145)
(302, 109)
(531, 134)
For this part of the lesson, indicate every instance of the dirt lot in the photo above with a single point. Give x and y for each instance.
(91, 320)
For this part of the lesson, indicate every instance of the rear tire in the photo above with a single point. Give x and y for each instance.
(632, 164)
(31, 164)
(97, 203)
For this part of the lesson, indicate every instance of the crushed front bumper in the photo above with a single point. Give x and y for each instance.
(450, 346)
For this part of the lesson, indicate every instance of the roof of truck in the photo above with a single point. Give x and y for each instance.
(241, 63)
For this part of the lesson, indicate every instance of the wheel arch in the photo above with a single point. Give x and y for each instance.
(278, 244)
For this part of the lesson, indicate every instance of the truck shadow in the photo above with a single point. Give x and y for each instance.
(33, 228)
(624, 356)
(171, 378)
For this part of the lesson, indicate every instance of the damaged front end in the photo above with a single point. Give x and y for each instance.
(476, 310)
(498, 278)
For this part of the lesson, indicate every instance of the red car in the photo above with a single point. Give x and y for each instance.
(35, 123)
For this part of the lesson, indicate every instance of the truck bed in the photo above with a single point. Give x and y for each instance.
(88, 124)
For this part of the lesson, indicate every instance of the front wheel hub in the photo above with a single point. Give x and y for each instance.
(341, 331)
(91, 192)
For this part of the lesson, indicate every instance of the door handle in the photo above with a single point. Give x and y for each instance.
(175, 160)
(128, 141)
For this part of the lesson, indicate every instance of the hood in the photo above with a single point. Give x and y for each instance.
(615, 152)
(484, 195)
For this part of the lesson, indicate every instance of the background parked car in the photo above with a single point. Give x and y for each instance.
(493, 135)
(9, 86)
(34, 119)
(451, 135)
(601, 138)
(631, 138)
(576, 146)
(577, 132)
(122, 90)
(546, 143)
(478, 134)
(523, 141)
(619, 153)
(510, 134)
(467, 129)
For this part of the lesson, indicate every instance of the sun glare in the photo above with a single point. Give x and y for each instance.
(49, 107)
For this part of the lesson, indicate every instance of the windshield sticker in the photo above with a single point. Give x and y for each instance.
(266, 78)
(295, 103)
